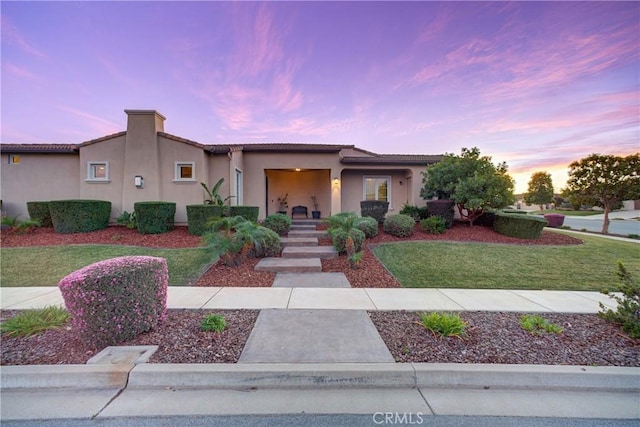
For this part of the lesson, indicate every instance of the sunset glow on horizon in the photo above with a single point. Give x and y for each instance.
(534, 84)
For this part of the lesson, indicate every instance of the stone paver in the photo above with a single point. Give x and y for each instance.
(314, 336)
(189, 297)
(308, 233)
(290, 265)
(311, 280)
(322, 252)
(559, 301)
(30, 298)
(298, 241)
(492, 300)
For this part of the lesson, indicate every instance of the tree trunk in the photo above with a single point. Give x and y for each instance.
(605, 222)
(541, 208)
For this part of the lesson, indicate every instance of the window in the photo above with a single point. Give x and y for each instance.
(239, 184)
(14, 159)
(377, 188)
(185, 171)
(98, 171)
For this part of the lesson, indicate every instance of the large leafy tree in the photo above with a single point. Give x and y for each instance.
(540, 191)
(607, 179)
(472, 181)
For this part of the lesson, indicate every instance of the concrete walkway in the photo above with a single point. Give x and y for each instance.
(346, 299)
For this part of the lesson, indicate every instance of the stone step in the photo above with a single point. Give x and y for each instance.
(302, 227)
(290, 265)
(308, 233)
(313, 222)
(311, 280)
(298, 241)
(322, 252)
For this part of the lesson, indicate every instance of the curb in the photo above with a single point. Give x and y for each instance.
(318, 375)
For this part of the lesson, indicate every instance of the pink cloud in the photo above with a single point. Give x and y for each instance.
(19, 71)
(99, 125)
(12, 35)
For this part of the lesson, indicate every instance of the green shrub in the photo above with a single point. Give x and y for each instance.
(627, 314)
(368, 225)
(399, 225)
(269, 244)
(117, 299)
(487, 219)
(155, 217)
(339, 238)
(79, 216)
(434, 225)
(445, 325)
(514, 211)
(520, 226)
(413, 211)
(198, 217)
(442, 208)
(31, 322)
(534, 324)
(213, 323)
(39, 211)
(279, 223)
(376, 209)
(250, 213)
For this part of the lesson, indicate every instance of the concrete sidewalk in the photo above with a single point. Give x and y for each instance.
(346, 299)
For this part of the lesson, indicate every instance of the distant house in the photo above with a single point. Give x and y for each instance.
(144, 163)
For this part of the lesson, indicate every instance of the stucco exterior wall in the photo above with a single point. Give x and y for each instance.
(38, 177)
(182, 192)
(111, 151)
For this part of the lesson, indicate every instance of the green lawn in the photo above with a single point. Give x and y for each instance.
(590, 267)
(46, 265)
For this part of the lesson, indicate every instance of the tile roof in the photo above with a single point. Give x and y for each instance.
(393, 159)
(39, 148)
(294, 147)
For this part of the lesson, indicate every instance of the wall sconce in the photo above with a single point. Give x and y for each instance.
(400, 182)
(139, 181)
(336, 181)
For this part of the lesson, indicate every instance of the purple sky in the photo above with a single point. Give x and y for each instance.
(535, 84)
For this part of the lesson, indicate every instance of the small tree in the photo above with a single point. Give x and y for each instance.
(540, 191)
(473, 182)
(607, 179)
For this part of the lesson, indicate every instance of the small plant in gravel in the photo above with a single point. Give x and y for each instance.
(20, 227)
(434, 225)
(128, 219)
(213, 323)
(627, 315)
(31, 322)
(444, 324)
(534, 324)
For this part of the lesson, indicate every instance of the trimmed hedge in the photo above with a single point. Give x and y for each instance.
(39, 211)
(399, 225)
(368, 225)
(515, 211)
(554, 220)
(487, 219)
(442, 208)
(117, 299)
(155, 217)
(79, 216)
(250, 213)
(199, 215)
(339, 238)
(414, 212)
(279, 223)
(517, 225)
(376, 209)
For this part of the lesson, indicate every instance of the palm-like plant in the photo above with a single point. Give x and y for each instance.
(234, 238)
(214, 195)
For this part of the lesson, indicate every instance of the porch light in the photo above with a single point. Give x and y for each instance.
(336, 180)
(297, 169)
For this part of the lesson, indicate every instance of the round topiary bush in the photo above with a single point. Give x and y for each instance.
(198, 216)
(368, 225)
(39, 211)
(399, 225)
(279, 223)
(79, 216)
(155, 217)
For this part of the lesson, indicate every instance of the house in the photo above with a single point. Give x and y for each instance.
(144, 163)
